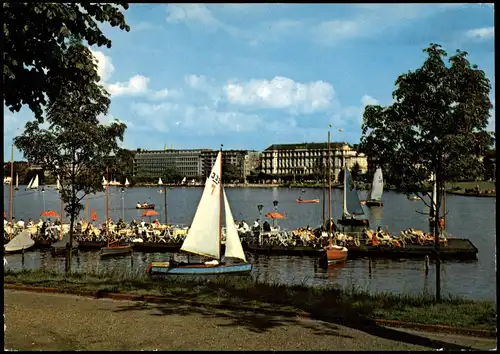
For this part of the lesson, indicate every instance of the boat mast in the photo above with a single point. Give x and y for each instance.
(107, 209)
(11, 185)
(220, 206)
(62, 211)
(444, 207)
(324, 197)
(329, 195)
(345, 185)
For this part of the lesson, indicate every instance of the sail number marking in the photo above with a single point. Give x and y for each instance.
(215, 181)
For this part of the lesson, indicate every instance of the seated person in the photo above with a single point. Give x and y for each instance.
(138, 205)
(266, 227)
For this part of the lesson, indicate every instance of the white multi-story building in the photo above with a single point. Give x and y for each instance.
(310, 159)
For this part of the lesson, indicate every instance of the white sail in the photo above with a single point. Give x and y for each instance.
(19, 242)
(434, 192)
(35, 183)
(377, 185)
(104, 182)
(352, 205)
(233, 242)
(160, 182)
(127, 182)
(29, 184)
(183, 180)
(58, 184)
(17, 180)
(204, 233)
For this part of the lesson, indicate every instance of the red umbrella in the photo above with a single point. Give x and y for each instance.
(275, 215)
(50, 214)
(94, 215)
(150, 213)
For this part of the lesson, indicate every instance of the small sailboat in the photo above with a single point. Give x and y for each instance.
(377, 190)
(58, 184)
(183, 182)
(127, 183)
(351, 206)
(112, 250)
(434, 201)
(334, 254)
(104, 182)
(204, 238)
(29, 184)
(34, 183)
(16, 188)
(20, 243)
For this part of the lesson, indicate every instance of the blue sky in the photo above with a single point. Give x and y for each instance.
(251, 75)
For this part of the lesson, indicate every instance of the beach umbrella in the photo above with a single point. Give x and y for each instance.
(149, 213)
(94, 215)
(275, 215)
(49, 214)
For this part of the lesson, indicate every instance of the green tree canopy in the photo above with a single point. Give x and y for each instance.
(75, 146)
(355, 172)
(436, 126)
(36, 39)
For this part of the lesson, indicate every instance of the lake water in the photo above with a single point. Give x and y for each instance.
(468, 217)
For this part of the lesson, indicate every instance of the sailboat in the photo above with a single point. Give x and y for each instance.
(351, 205)
(434, 201)
(58, 184)
(204, 237)
(377, 190)
(33, 183)
(112, 250)
(183, 182)
(104, 182)
(127, 183)
(19, 243)
(16, 188)
(333, 253)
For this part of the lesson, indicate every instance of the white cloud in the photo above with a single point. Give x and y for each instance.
(165, 93)
(281, 93)
(481, 33)
(104, 65)
(191, 13)
(136, 85)
(367, 100)
(198, 120)
(197, 82)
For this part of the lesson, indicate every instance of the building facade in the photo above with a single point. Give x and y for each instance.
(310, 160)
(244, 161)
(154, 163)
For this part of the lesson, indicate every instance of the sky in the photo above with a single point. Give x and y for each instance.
(251, 75)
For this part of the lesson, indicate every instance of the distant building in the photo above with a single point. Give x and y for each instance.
(309, 159)
(245, 161)
(154, 163)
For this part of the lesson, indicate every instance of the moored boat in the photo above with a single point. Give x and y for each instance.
(145, 206)
(351, 206)
(204, 237)
(307, 201)
(376, 191)
(19, 243)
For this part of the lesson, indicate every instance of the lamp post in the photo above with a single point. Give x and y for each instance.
(123, 207)
(275, 203)
(165, 200)
(259, 207)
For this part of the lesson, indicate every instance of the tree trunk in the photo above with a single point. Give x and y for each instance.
(436, 240)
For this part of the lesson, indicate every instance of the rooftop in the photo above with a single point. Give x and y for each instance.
(305, 146)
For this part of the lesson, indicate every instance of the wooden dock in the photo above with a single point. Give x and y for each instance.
(457, 249)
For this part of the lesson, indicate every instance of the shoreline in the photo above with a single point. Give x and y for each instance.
(330, 301)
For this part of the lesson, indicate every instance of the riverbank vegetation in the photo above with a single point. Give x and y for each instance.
(349, 303)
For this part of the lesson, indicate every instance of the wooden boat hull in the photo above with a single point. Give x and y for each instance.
(370, 203)
(307, 201)
(197, 268)
(354, 222)
(414, 198)
(116, 251)
(150, 206)
(335, 256)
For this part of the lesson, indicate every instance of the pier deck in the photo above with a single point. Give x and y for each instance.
(457, 249)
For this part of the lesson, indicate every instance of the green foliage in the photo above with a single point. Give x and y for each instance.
(121, 165)
(230, 173)
(489, 162)
(437, 124)
(355, 172)
(35, 44)
(171, 175)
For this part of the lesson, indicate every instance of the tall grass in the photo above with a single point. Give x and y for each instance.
(332, 300)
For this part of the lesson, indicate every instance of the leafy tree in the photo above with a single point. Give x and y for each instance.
(340, 177)
(355, 172)
(75, 145)
(36, 38)
(489, 162)
(230, 173)
(436, 125)
(171, 175)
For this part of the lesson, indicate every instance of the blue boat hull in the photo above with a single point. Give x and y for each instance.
(198, 269)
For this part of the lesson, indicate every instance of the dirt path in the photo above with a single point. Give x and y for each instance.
(37, 321)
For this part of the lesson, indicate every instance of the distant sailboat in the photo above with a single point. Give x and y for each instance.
(351, 205)
(104, 182)
(58, 184)
(160, 182)
(204, 238)
(127, 183)
(183, 181)
(16, 188)
(377, 190)
(34, 184)
(29, 184)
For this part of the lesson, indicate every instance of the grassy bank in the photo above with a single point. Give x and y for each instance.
(331, 301)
